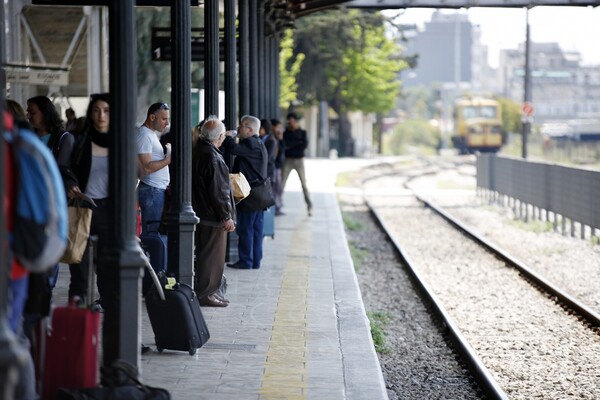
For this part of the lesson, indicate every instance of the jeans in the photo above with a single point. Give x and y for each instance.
(152, 202)
(250, 233)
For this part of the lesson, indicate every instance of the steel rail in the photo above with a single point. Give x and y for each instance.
(572, 303)
(481, 374)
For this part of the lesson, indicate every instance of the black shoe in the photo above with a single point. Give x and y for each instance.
(238, 265)
(145, 349)
(213, 301)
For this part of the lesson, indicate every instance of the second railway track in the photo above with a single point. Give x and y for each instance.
(531, 346)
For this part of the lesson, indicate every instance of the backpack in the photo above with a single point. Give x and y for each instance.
(39, 235)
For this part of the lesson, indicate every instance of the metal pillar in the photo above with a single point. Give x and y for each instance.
(181, 220)
(123, 250)
(211, 57)
(244, 62)
(253, 51)
(261, 61)
(527, 87)
(230, 66)
(231, 93)
(276, 81)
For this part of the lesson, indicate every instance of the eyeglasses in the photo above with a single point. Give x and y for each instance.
(158, 106)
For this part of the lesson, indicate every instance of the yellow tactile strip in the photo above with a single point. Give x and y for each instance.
(285, 373)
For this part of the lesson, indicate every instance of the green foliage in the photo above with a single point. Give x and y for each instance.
(288, 69)
(533, 225)
(511, 115)
(352, 224)
(358, 256)
(372, 72)
(414, 133)
(379, 321)
(349, 61)
(417, 102)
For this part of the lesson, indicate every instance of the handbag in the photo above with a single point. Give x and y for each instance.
(80, 221)
(239, 186)
(260, 197)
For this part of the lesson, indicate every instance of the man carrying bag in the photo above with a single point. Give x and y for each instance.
(250, 160)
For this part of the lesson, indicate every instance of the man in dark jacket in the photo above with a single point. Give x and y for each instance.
(296, 142)
(213, 203)
(251, 160)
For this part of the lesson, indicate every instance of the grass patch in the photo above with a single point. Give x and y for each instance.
(595, 240)
(534, 226)
(379, 320)
(352, 224)
(358, 256)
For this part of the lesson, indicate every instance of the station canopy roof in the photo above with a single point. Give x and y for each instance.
(304, 7)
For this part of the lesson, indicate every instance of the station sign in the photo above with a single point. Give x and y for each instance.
(37, 76)
(161, 49)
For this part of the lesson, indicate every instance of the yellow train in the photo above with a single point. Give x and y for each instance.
(477, 125)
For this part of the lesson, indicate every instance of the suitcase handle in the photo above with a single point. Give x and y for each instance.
(150, 270)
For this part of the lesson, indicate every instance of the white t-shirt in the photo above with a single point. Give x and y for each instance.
(147, 143)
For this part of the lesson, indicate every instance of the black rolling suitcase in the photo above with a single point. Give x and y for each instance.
(177, 321)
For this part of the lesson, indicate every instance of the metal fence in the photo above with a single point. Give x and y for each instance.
(539, 189)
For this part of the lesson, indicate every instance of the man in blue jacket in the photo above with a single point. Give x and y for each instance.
(251, 160)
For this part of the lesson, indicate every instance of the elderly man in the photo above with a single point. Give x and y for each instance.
(251, 160)
(153, 165)
(213, 203)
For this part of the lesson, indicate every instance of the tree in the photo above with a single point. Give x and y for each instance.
(511, 116)
(288, 70)
(350, 63)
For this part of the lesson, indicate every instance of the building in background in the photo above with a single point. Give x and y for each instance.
(562, 89)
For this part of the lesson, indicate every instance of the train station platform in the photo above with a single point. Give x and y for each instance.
(295, 329)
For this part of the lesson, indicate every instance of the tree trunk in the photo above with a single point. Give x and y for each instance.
(346, 146)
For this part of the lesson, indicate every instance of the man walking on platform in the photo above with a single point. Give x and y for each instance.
(251, 160)
(296, 142)
(153, 165)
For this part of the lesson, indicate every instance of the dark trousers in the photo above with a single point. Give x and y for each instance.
(211, 245)
(250, 233)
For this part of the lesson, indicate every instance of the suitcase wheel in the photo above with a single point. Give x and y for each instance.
(192, 351)
(159, 349)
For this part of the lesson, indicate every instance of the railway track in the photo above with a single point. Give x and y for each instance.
(513, 338)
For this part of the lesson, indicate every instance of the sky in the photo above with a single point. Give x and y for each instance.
(573, 28)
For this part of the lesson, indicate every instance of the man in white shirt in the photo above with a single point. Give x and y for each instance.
(153, 163)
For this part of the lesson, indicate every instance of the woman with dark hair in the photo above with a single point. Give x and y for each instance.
(89, 176)
(90, 167)
(44, 119)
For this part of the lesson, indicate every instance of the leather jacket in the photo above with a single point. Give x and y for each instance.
(212, 198)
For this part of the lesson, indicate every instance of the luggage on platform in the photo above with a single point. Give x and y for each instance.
(71, 359)
(155, 246)
(177, 321)
(269, 222)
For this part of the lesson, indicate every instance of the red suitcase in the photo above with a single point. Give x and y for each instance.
(71, 359)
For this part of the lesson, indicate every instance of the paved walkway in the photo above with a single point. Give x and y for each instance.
(295, 329)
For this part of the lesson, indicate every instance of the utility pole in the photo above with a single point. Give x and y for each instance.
(527, 87)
